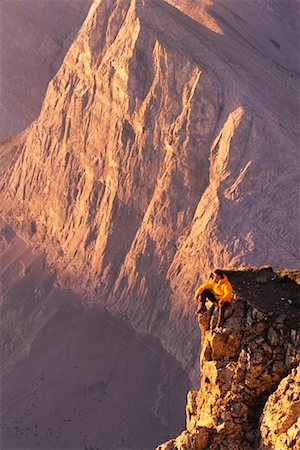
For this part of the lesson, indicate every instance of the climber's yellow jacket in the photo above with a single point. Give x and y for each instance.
(222, 289)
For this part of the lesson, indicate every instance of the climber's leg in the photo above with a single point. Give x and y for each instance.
(221, 315)
(206, 295)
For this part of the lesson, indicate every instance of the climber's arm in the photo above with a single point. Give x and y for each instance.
(201, 289)
(227, 295)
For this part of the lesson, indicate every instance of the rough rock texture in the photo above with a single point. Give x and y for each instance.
(35, 35)
(242, 362)
(163, 148)
(280, 424)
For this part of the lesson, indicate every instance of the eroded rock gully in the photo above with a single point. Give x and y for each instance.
(249, 395)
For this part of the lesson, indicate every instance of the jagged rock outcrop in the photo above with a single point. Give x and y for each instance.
(280, 423)
(161, 149)
(239, 404)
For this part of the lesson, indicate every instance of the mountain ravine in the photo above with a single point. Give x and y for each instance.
(166, 145)
(77, 378)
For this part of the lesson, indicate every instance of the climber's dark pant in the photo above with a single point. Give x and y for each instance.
(208, 295)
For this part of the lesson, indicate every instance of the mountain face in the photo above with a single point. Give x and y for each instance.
(249, 395)
(166, 144)
(35, 36)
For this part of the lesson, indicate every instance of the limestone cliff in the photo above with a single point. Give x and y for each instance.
(249, 395)
(280, 422)
(165, 145)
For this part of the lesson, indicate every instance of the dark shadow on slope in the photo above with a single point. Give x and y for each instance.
(271, 292)
(77, 377)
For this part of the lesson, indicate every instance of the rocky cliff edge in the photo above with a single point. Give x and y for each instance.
(249, 395)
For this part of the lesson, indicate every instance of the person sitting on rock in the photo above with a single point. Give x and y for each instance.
(217, 289)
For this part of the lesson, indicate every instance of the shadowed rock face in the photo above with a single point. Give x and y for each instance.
(77, 378)
(35, 36)
(280, 422)
(256, 348)
(164, 147)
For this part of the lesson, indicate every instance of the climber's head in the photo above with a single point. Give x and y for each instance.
(219, 274)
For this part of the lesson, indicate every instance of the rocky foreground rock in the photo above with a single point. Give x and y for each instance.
(249, 395)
